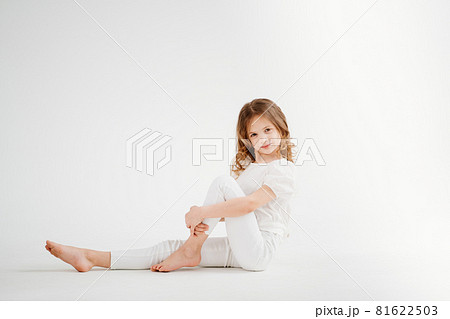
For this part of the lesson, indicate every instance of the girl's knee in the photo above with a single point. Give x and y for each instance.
(222, 179)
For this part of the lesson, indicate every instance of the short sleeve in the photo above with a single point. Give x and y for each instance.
(280, 177)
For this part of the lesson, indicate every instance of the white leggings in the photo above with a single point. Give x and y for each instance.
(246, 246)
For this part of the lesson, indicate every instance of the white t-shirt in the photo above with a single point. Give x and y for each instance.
(279, 175)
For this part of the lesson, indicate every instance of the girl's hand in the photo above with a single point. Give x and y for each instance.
(200, 228)
(193, 218)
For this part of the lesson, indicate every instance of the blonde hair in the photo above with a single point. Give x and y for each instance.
(244, 148)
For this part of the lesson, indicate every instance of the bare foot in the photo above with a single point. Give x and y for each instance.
(183, 257)
(77, 257)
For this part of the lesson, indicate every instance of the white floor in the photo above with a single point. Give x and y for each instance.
(301, 271)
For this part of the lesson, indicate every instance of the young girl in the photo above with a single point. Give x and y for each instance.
(253, 202)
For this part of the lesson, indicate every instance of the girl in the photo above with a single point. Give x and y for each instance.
(253, 202)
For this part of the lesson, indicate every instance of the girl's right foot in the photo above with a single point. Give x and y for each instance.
(183, 257)
(77, 257)
(188, 255)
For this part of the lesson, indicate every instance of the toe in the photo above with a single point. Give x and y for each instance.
(50, 244)
(155, 267)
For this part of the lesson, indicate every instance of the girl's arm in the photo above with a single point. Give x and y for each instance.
(238, 206)
(231, 208)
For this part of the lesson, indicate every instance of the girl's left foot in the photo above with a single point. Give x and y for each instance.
(77, 257)
(183, 257)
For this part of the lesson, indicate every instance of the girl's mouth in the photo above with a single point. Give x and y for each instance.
(266, 146)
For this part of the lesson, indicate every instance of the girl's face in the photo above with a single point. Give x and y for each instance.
(263, 135)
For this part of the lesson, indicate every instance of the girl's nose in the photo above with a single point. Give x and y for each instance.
(262, 141)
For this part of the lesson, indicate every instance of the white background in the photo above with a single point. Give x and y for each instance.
(374, 98)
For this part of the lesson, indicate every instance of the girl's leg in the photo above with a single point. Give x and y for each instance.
(243, 246)
(81, 259)
(246, 240)
(145, 258)
(85, 259)
(215, 252)
(170, 254)
(191, 250)
(223, 187)
(164, 256)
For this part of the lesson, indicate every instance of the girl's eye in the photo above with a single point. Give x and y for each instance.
(251, 135)
(268, 129)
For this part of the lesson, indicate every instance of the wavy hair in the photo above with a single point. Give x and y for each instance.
(245, 153)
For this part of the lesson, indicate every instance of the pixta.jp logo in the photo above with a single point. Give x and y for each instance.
(142, 147)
